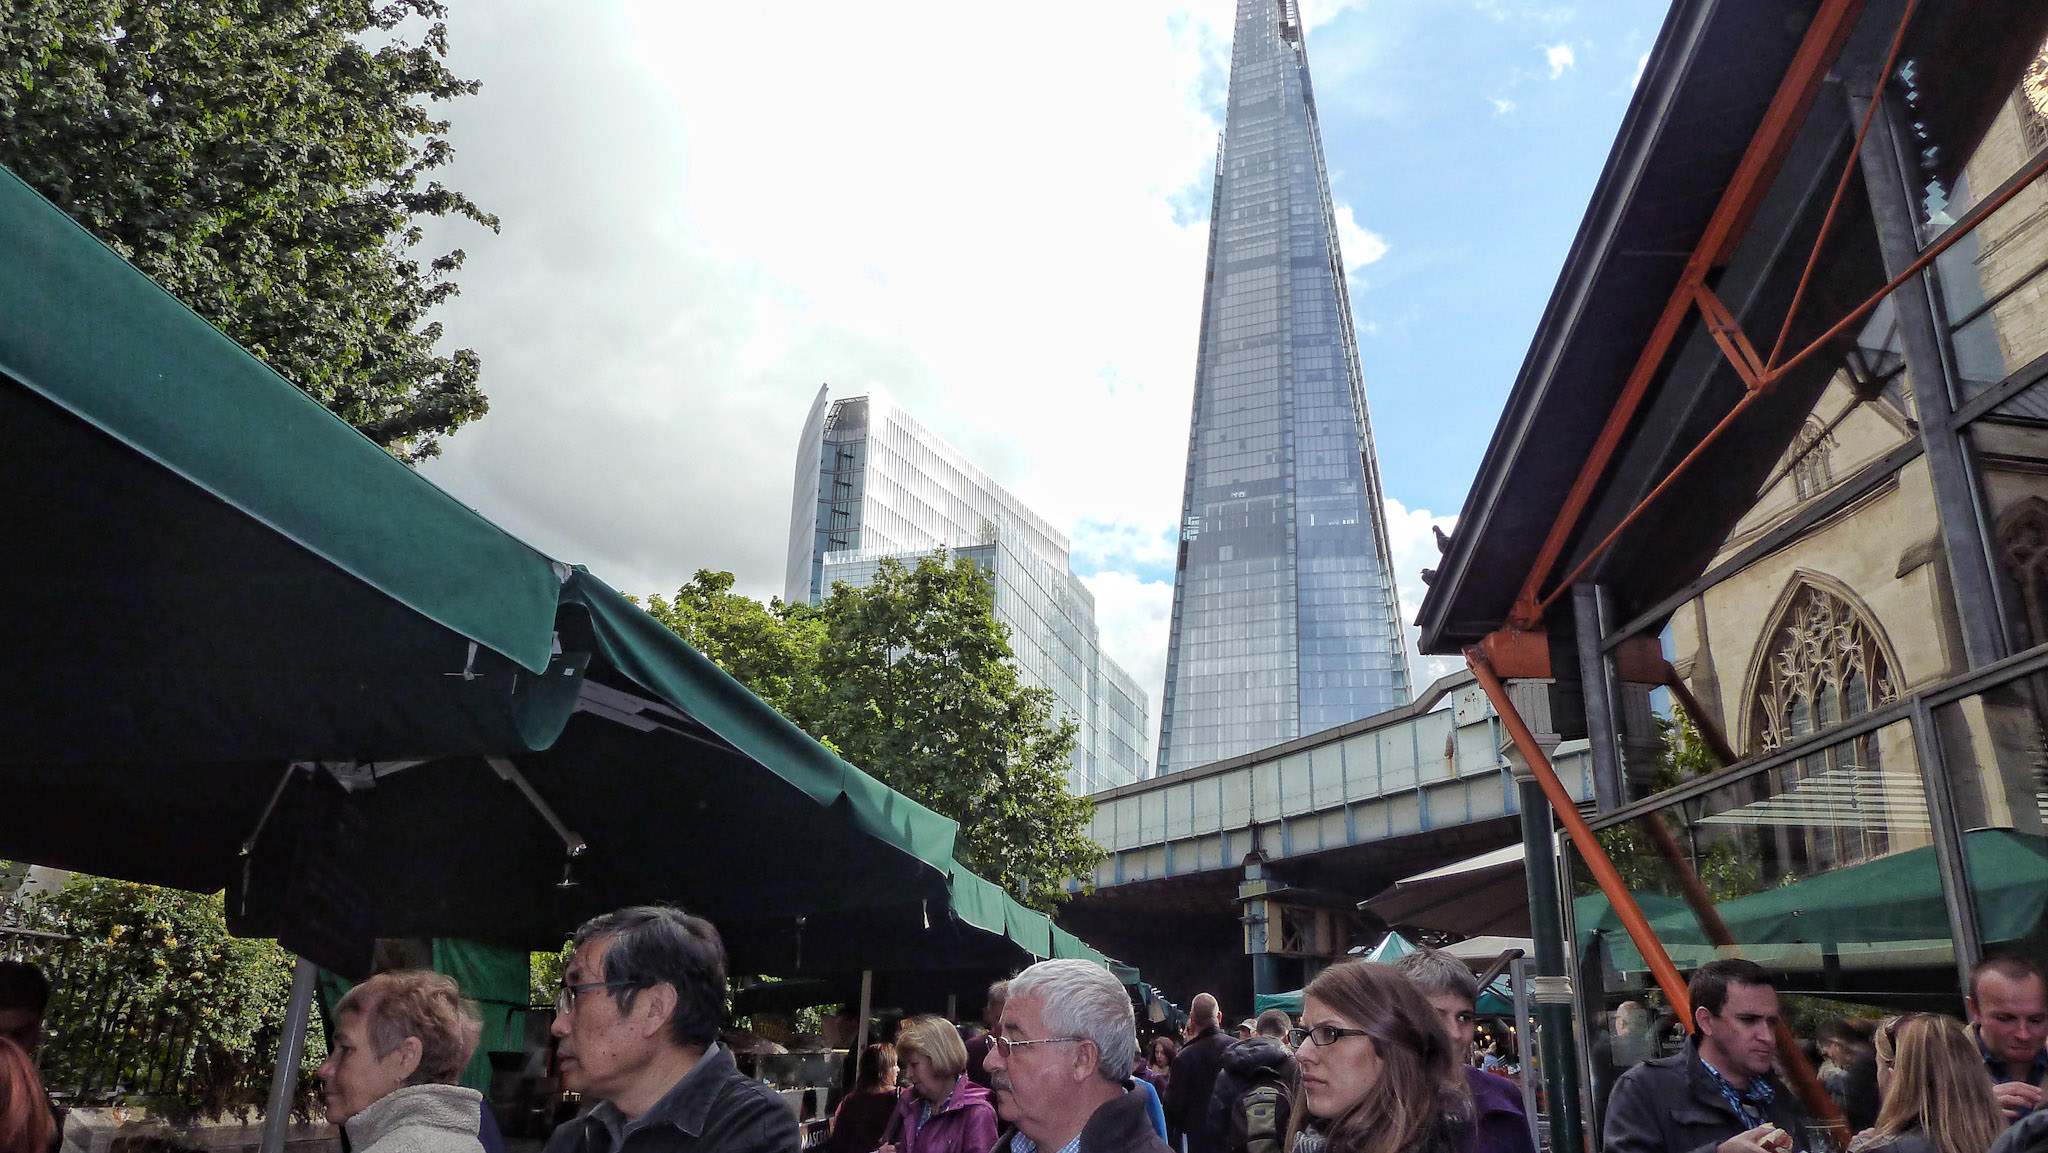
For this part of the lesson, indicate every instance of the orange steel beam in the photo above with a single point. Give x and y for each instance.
(1739, 202)
(1961, 228)
(1643, 505)
(1841, 187)
(1590, 849)
(1761, 384)
(1709, 731)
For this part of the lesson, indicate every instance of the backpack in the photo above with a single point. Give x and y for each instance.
(1253, 1098)
(1258, 1122)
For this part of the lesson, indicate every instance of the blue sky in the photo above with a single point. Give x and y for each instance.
(996, 213)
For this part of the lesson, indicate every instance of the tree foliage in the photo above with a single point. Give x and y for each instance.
(912, 678)
(160, 993)
(266, 164)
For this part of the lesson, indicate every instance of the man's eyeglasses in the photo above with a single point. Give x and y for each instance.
(1322, 1035)
(566, 994)
(1004, 1044)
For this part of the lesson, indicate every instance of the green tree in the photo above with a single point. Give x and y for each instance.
(772, 649)
(148, 964)
(266, 164)
(913, 679)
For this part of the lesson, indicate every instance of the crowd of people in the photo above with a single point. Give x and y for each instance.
(1385, 1058)
(1914, 1083)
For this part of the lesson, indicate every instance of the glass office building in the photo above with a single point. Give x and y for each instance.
(1284, 617)
(872, 483)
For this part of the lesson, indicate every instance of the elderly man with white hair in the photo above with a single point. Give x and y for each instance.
(1061, 1063)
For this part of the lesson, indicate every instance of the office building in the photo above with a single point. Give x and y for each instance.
(1284, 616)
(873, 483)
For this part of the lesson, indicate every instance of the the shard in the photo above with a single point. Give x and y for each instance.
(1284, 615)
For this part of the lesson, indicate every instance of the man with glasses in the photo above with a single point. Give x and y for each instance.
(1719, 1096)
(2008, 1005)
(636, 1026)
(1061, 1063)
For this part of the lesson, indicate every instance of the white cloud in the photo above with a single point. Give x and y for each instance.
(694, 241)
(1135, 616)
(1316, 13)
(1501, 107)
(1560, 57)
(1642, 62)
(1414, 549)
(1360, 246)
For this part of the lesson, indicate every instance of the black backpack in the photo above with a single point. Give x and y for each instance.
(1253, 1100)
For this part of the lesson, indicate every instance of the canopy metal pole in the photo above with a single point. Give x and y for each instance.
(291, 1045)
(867, 1007)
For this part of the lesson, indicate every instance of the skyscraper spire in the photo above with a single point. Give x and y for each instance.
(1284, 615)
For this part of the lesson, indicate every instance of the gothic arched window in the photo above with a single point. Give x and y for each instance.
(1825, 664)
(1810, 460)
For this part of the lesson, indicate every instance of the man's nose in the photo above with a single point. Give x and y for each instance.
(559, 1027)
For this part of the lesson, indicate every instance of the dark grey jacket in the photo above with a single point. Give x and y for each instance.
(712, 1108)
(1670, 1105)
(1123, 1125)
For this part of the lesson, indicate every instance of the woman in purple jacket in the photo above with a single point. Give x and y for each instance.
(942, 1111)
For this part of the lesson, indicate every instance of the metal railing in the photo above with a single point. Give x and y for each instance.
(105, 1042)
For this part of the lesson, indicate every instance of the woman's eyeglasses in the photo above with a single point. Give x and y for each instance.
(1322, 1035)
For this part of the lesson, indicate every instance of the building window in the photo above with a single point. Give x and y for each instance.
(1826, 663)
(1809, 465)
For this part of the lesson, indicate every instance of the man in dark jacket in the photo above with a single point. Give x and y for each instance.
(636, 1026)
(1061, 1064)
(1192, 1079)
(1254, 1094)
(1498, 1123)
(1719, 1096)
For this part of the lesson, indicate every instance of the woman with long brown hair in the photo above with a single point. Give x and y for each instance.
(1936, 1097)
(1376, 1067)
(26, 1125)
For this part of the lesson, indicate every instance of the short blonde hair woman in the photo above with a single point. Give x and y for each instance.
(401, 1041)
(941, 1111)
(1936, 1096)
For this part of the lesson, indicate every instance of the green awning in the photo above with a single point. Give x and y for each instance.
(215, 577)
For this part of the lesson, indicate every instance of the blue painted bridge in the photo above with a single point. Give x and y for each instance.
(1330, 819)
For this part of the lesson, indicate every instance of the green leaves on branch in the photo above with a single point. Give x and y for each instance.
(267, 162)
(912, 678)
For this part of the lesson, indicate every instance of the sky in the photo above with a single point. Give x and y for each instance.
(999, 214)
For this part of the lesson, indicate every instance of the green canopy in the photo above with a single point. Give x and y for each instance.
(1899, 898)
(215, 577)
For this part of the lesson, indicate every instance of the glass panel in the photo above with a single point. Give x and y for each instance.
(1997, 766)
(1821, 870)
(2010, 449)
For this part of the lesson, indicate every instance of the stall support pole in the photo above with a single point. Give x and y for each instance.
(1553, 1015)
(867, 1008)
(291, 1045)
(1518, 981)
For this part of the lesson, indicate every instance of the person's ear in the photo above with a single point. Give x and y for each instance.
(1700, 1016)
(1082, 1064)
(410, 1052)
(653, 1008)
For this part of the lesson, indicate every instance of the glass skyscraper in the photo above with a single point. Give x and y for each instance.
(1284, 617)
(873, 483)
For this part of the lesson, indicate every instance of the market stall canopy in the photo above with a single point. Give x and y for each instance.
(214, 578)
(1486, 894)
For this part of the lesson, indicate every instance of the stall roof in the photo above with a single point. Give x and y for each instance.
(215, 577)
(1701, 101)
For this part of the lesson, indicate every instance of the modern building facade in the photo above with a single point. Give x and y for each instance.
(872, 483)
(1284, 614)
